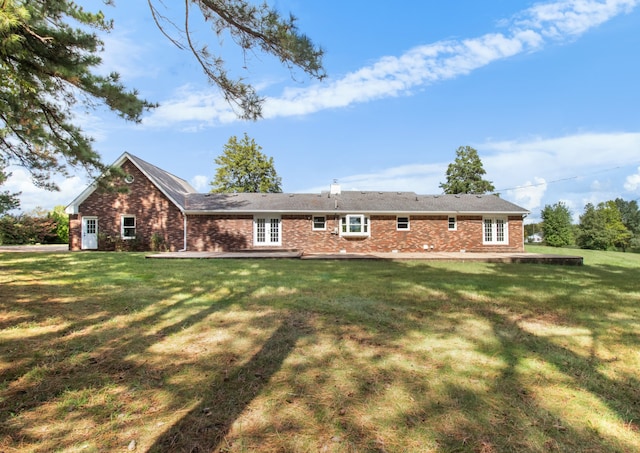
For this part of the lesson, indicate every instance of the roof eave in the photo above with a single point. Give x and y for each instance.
(340, 211)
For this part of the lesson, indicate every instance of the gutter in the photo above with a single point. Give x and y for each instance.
(184, 248)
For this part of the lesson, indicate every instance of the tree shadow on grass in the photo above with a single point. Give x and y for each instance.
(205, 426)
(365, 325)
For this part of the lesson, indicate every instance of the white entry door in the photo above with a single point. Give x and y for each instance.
(89, 233)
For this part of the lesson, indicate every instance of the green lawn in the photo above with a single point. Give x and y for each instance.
(105, 351)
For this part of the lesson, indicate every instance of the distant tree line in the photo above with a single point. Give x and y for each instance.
(609, 225)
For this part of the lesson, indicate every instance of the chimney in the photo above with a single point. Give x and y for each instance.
(334, 188)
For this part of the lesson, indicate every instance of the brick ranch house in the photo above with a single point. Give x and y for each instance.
(161, 210)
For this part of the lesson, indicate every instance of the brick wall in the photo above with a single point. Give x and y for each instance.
(219, 233)
(425, 233)
(154, 213)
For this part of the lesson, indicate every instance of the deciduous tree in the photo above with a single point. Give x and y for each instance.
(601, 227)
(630, 215)
(556, 226)
(465, 174)
(244, 168)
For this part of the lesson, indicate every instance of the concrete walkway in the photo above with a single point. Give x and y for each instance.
(57, 248)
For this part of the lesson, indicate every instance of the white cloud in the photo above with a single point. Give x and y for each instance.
(529, 195)
(562, 19)
(200, 183)
(196, 109)
(585, 154)
(632, 183)
(33, 197)
(392, 76)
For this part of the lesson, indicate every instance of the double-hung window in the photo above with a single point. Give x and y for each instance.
(354, 225)
(495, 231)
(319, 223)
(128, 226)
(402, 223)
(452, 223)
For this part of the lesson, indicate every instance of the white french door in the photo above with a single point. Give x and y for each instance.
(267, 230)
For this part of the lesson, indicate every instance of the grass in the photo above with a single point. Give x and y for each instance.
(101, 349)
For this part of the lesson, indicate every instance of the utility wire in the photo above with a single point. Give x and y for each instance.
(566, 179)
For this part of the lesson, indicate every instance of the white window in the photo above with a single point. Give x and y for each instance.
(128, 226)
(453, 223)
(402, 223)
(495, 231)
(319, 223)
(354, 225)
(266, 231)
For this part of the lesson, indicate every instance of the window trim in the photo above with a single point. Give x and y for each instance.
(313, 222)
(407, 222)
(364, 222)
(455, 223)
(495, 230)
(124, 227)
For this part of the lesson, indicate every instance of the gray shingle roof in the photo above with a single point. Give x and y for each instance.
(350, 202)
(175, 188)
(185, 197)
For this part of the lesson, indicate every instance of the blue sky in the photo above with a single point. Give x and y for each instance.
(547, 92)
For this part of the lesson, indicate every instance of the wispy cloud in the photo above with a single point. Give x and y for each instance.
(528, 31)
(193, 109)
(124, 55)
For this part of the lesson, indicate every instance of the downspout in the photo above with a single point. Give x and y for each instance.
(184, 249)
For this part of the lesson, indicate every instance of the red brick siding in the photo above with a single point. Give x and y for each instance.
(219, 233)
(155, 214)
(75, 232)
(424, 231)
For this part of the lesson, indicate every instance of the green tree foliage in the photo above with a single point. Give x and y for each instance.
(27, 229)
(465, 174)
(556, 226)
(50, 52)
(630, 215)
(47, 68)
(251, 27)
(35, 227)
(8, 200)
(61, 219)
(244, 168)
(601, 228)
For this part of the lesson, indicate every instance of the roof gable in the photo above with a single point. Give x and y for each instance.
(173, 187)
